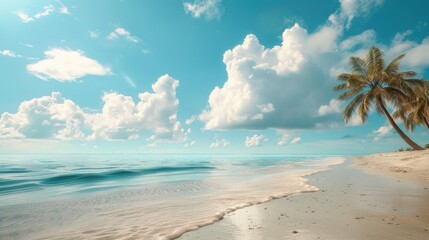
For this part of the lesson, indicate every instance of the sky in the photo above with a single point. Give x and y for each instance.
(197, 76)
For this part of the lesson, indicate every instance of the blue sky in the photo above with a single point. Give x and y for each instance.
(205, 76)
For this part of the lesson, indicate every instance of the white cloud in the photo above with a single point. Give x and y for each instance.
(361, 40)
(418, 55)
(352, 8)
(296, 140)
(55, 117)
(23, 16)
(210, 9)
(122, 32)
(9, 53)
(190, 120)
(66, 65)
(122, 118)
(355, 120)
(334, 106)
(218, 143)
(46, 11)
(255, 140)
(296, 77)
(286, 138)
(274, 87)
(382, 132)
(45, 117)
(64, 10)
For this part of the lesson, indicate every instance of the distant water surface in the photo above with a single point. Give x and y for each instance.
(142, 196)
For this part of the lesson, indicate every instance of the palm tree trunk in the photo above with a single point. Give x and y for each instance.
(408, 140)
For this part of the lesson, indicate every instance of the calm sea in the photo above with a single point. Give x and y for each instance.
(141, 196)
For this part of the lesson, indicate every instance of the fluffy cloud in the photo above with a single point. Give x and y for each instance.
(289, 86)
(255, 140)
(382, 132)
(274, 87)
(122, 32)
(417, 54)
(334, 106)
(218, 143)
(122, 118)
(209, 9)
(66, 65)
(54, 117)
(45, 117)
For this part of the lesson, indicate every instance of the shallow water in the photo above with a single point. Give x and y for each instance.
(137, 196)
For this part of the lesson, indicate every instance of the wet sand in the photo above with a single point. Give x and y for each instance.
(379, 202)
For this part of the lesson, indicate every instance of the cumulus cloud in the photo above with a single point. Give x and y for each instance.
(66, 65)
(55, 117)
(209, 9)
(334, 106)
(120, 32)
(255, 140)
(382, 132)
(45, 117)
(218, 143)
(274, 87)
(122, 118)
(289, 86)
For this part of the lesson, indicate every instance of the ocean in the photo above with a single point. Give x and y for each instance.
(113, 196)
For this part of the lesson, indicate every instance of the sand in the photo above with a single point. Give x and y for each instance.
(383, 196)
(412, 165)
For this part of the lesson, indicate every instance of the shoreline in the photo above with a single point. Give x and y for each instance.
(303, 179)
(363, 198)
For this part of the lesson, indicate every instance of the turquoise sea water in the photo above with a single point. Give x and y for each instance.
(65, 195)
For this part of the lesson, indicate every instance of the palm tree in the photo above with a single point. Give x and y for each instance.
(416, 110)
(370, 82)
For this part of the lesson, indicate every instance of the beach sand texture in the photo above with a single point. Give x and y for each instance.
(351, 204)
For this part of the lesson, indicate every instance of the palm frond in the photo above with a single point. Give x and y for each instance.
(358, 66)
(394, 64)
(351, 107)
(375, 63)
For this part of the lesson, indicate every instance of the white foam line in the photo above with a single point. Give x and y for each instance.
(219, 216)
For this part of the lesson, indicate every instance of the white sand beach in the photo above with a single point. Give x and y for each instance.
(382, 196)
